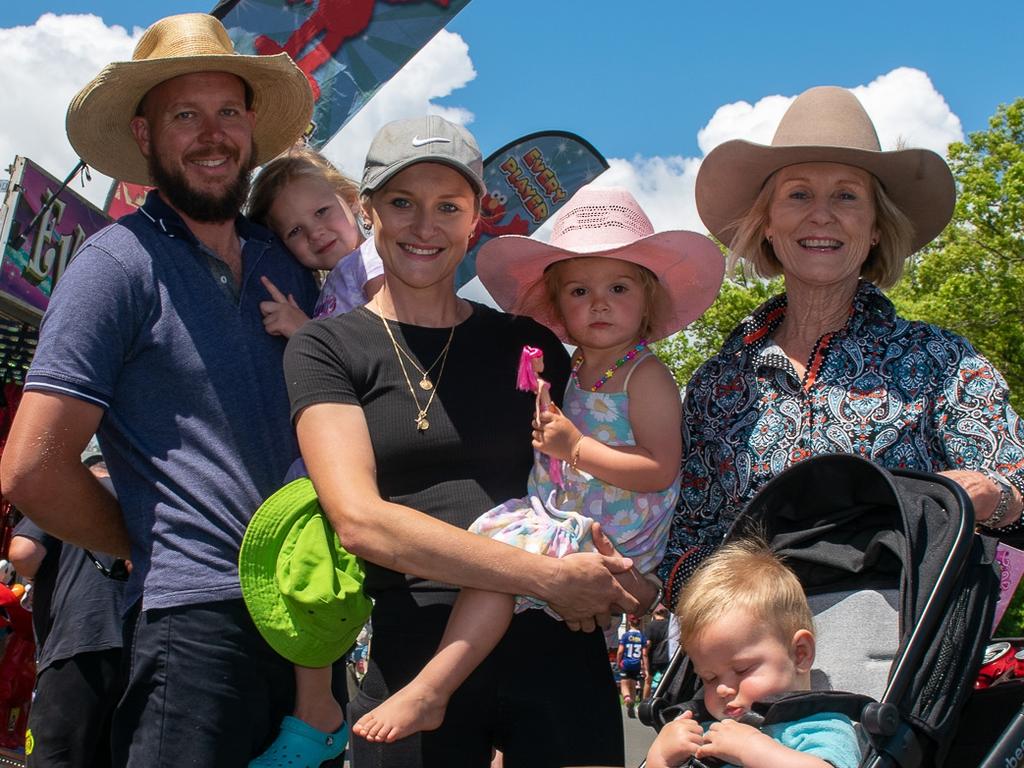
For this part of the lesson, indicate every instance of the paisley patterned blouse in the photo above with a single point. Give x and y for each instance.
(907, 395)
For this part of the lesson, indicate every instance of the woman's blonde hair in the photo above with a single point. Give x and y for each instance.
(297, 163)
(748, 576)
(649, 285)
(883, 266)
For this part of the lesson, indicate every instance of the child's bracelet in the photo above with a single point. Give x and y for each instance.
(575, 452)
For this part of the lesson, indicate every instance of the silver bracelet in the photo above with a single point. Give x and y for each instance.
(653, 579)
(1003, 505)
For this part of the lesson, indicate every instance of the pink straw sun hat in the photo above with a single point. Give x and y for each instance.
(605, 222)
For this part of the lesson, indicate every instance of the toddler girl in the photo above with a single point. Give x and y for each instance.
(313, 208)
(746, 626)
(609, 285)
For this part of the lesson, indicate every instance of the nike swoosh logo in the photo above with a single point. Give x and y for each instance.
(418, 142)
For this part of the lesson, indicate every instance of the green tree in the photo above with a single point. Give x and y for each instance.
(684, 352)
(971, 279)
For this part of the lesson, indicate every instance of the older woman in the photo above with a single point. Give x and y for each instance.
(411, 427)
(828, 366)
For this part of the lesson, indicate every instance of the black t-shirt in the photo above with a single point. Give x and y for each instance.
(476, 453)
(75, 608)
(657, 633)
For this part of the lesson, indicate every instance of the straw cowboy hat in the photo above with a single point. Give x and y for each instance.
(606, 222)
(824, 125)
(99, 115)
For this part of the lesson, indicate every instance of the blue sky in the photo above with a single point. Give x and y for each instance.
(641, 81)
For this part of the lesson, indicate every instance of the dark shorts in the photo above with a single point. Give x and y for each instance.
(545, 696)
(69, 721)
(204, 688)
(632, 674)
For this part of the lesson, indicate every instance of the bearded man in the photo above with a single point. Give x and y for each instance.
(154, 341)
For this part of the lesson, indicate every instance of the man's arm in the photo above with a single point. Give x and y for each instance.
(26, 555)
(42, 474)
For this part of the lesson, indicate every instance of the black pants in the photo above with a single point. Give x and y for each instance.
(69, 723)
(545, 696)
(204, 689)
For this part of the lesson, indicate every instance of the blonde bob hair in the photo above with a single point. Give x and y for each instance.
(883, 266)
(744, 575)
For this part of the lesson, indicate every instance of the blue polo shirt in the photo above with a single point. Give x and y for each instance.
(195, 430)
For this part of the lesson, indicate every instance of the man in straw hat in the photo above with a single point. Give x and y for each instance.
(154, 340)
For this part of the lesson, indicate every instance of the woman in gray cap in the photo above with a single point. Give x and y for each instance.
(411, 427)
(828, 366)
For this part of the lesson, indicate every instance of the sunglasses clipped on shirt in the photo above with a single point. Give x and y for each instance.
(118, 571)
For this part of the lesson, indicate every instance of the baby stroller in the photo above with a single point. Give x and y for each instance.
(903, 592)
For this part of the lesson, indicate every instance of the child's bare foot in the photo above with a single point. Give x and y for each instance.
(413, 709)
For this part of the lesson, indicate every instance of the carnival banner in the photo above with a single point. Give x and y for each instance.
(348, 49)
(527, 181)
(37, 250)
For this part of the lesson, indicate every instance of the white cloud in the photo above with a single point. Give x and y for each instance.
(46, 63)
(903, 104)
(44, 66)
(439, 68)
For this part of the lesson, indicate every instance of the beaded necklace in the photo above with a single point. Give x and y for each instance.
(632, 353)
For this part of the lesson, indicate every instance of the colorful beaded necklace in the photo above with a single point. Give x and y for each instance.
(640, 347)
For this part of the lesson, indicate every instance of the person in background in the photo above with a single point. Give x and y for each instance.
(77, 602)
(633, 661)
(154, 341)
(657, 636)
(828, 366)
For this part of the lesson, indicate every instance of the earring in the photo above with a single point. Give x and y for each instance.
(874, 242)
(769, 240)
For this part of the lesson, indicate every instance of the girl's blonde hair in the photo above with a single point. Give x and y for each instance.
(748, 576)
(883, 266)
(297, 163)
(654, 296)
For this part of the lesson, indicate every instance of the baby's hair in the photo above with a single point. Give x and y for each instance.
(746, 575)
(297, 163)
(648, 284)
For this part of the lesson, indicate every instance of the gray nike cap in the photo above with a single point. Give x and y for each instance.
(426, 139)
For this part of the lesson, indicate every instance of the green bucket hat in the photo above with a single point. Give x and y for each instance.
(303, 590)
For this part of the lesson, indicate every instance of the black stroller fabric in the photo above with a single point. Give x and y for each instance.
(841, 523)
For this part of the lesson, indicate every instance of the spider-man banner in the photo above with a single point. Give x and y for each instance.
(348, 49)
(527, 181)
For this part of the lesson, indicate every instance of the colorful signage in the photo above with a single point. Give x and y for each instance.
(34, 259)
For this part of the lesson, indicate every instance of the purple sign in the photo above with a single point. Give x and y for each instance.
(33, 261)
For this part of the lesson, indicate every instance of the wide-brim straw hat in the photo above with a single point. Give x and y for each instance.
(826, 124)
(99, 117)
(606, 222)
(303, 590)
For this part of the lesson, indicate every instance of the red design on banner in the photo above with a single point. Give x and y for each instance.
(337, 20)
(126, 198)
(492, 211)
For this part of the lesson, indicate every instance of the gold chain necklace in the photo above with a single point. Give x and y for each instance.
(422, 424)
(425, 383)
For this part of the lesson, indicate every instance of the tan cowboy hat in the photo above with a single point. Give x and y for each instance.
(99, 115)
(606, 222)
(824, 125)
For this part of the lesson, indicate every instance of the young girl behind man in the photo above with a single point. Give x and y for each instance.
(607, 284)
(314, 209)
(746, 626)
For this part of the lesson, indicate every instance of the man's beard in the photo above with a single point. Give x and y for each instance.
(201, 206)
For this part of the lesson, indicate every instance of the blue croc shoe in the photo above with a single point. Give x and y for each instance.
(300, 745)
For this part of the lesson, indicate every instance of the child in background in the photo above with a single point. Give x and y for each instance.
(746, 626)
(633, 662)
(609, 285)
(313, 208)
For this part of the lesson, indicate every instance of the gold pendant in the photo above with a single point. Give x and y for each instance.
(426, 384)
(422, 424)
